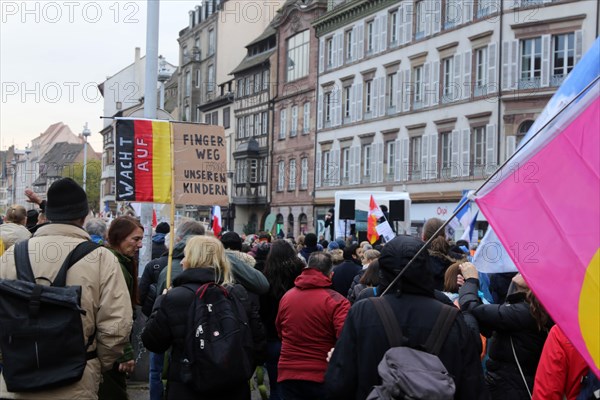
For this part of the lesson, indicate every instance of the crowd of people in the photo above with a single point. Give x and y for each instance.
(310, 305)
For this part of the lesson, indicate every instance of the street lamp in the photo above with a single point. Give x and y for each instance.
(86, 133)
(13, 164)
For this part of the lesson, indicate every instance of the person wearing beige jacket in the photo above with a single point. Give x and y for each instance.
(104, 294)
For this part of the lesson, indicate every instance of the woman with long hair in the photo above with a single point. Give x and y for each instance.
(282, 267)
(13, 229)
(125, 236)
(204, 262)
(440, 255)
(518, 330)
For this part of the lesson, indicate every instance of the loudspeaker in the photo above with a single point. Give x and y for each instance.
(347, 209)
(397, 210)
(362, 236)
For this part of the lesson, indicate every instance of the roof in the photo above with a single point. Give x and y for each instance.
(60, 155)
(252, 61)
(268, 32)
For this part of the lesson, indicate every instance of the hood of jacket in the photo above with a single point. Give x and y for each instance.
(12, 233)
(418, 278)
(310, 278)
(195, 275)
(240, 256)
(158, 238)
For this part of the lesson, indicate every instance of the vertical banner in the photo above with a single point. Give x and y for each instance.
(200, 164)
(143, 160)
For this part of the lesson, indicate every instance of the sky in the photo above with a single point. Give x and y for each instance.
(54, 53)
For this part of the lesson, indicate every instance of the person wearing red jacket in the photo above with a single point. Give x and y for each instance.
(560, 370)
(310, 319)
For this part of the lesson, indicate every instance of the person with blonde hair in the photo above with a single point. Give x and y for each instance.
(205, 262)
(13, 229)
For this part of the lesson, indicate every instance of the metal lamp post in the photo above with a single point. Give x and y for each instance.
(13, 164)
(86, 133)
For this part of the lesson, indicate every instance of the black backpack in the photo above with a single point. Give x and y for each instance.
(590, 387)
(410, 373)
(218, 344)
(41, 332)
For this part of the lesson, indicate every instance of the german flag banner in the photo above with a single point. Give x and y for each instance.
(143, 160)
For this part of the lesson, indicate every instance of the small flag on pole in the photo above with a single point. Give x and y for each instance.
(468, 234)
(372, 218)
(216, 220)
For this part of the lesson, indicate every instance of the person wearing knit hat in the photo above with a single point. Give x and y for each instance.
(67, 201)
(333, 246)
(158, 240)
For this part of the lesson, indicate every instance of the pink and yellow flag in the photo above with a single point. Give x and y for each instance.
(372, 218)
(545, 209)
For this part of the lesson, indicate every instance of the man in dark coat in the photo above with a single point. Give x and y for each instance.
(352, 371)
(344, 273)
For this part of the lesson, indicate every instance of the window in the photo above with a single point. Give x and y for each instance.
(248, 85)
(282, 124)
(523, 129)
(531, 63)
(368, 96)
(294, 129)
(188, 84)
(370, 36)
(391, 159)
(326, 168)
(306, 119)
(327, 108)
(240, 128)
(198, 77)
(281, 176)
(292, 177)
(265, 80)
(393, 24)
(250, 125)
(478, 146)
(390, 98)
(415, 157)
(452, 13)
(446, 152)
(226, 117)
(257, 125)
(346, 165)
(211, 78)
(481, 71)
(485, 7)
(349, 53)
(297, 56)
(448, 79)
(304, 173)
(187, 115)
(253, 170)
(347, 105)
(211, 42)
(420, 19)
(329, 50)
(563, 57)
(418, 80)
(198, 119)
(240, 87)
(257, 83)
(265, 122)
(367, 160)
(248, 128)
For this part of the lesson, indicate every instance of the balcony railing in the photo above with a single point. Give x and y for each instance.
(530, 82)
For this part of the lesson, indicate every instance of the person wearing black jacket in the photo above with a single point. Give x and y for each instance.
(352, 371)
(344, 273)
(520, 327)
(167, 325)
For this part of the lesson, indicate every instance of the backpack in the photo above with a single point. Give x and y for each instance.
(218, 343)
(41, 332)
(409, 373)
(590, 387)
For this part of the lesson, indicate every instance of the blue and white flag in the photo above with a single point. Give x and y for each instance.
(491, 257)
(463, 218)
(468, 234)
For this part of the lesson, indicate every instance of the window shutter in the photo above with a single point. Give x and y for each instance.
(514, 66)
(428, 21)
(334, 168)
(435, 91)
(400, 25)
(546, 51)
(407, 91)
(383, 32)
(373, 177)
(353, 42)
(321, 55)
(511, 144)
(361, 40)
(340, 53)
(491, 156)
(467, 11)
(405, 158)
(506, 66)
(380, 162)
(318, 169)
(408, 26)
(424, 167)
(459, 6)
(351, 166)
(353, 103)
(359, 101)
(357, 164)
(455, 158)
(433, 156)
(578, 45)
(398, 93)
(398, 160)
(374, 97)
(437, 16)
(457, 78)
(465, 157)
(320, 109)
(492, 83)
(426, 84)
(381, 99)
(468, 84)
(338, 107)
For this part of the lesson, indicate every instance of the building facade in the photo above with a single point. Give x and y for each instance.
(431, 96)
(293, 149)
